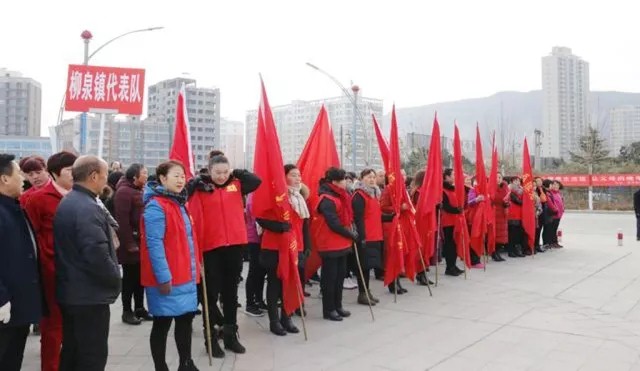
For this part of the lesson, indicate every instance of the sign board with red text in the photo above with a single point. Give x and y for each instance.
(597, 180)
(99, 87)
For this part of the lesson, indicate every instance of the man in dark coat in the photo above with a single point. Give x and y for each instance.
(20, 290)
(87, 272)
(128, 208)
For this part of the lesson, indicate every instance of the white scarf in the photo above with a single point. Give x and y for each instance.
(298, 203)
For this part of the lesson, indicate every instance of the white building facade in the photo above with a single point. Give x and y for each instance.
(565, 88)
(624, 127)
(232, 141)
(20, 104)
(294, 123)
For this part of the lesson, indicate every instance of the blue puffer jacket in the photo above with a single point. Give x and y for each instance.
(183, 298)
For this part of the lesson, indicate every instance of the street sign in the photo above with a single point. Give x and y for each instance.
(99, 87)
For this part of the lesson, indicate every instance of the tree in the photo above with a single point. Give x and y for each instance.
(630, 154)
(416, 161)
(592, 151)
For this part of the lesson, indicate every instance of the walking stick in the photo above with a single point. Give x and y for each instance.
(302, 315)
(366, 289)
(207, 320)
(426, 275)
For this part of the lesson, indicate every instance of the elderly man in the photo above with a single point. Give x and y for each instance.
(87, 272)
(20, 291)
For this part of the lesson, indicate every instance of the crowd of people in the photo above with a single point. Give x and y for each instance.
(78, 233)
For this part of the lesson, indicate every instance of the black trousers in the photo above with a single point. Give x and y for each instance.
(131, 287)
(182, 335)
(449, 247)
(554, 230)
(254, 286)
(366, 270)
(334, 270)
(85, 333)
(274, 293)
(12, 342)
(222, 267)
(638, 228)
(547, 234)
(516, 237)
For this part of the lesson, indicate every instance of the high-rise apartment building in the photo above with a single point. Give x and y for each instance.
(565, 88)
(294, 123)
(624, 127)
(232, 141)
(20, 104)
(203, 109)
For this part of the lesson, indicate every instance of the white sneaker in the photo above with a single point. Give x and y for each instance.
(348, 284)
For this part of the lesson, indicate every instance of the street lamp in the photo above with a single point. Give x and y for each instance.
(86, 38)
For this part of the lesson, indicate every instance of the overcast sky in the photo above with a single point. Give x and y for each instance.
(410, 52)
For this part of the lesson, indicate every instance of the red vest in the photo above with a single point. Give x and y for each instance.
(270, 239)
(448, 219)
(219, 217)
(176, 247)
(515, 211)
(326, 239)
(372, 217)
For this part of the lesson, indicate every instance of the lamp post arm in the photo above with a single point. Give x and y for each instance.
(121, 36)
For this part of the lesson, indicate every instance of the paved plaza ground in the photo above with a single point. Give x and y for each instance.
(576, 308)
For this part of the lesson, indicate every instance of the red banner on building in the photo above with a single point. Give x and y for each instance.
(598, 180)
(98, 87)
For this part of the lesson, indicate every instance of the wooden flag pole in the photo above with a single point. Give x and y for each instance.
(207, 320)
(426, 275)
(366, 289)
(302, 315)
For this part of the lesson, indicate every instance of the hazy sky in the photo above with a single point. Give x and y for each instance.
(410, 52)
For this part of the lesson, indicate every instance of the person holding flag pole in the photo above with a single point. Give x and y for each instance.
(281, 210)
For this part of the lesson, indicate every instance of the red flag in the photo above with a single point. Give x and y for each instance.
(319, 154)
(181, 147)
(461, 233)
(430, 195)
(382, 144)
(493, 188)
(480, 217)
(528, 206)
(271, 201)
(394, 256)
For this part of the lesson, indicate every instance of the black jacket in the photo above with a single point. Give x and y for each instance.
(19, 266)
(87, 271)
(636, 203)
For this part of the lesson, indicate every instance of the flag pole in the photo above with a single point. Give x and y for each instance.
(465, 251)
(366, 289)
(426, 275)
(207, 320)
(396, 282)
(302, 315)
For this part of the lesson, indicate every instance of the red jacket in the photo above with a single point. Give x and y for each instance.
(128, 208)
(515, 210)
(176, 248)
(219, 217)
(328, 237)
(450, 203)
(41, 208)
(271, 239)
(370, 222)
(501, 207)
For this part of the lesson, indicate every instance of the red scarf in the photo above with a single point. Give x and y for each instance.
(346, 216)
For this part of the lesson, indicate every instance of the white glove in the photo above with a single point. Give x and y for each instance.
(5, 313)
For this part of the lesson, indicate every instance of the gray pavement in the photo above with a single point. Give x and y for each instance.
(575, 308)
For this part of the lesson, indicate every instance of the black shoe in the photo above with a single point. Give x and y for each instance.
(306, 294)
(288, 325)
(332, 316)
(231, 340)
(276, 328)
(188, 366)
(198, 312)
(496, 257)
(299, 314)
(452, 272)
(461, 271)
(216, 351)
(343, 313)
(130, 319)
(392, 289)
(364, 300)
(36, 330)
(512, 254)
(401, 290)
(143, 314)
(422, 280)
(526, 252)
(262, 305)
(540, 249)
(253, 311)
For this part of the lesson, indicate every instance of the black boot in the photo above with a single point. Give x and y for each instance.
(288, 325)
(231, 341)
(421, 278)
(188, 366)
(520, 251)
(216, 351)
(130, 318)
(401, 290)
(343, 313)
(332, 316)
(277, 328)
(540, 249)
(496, 257)
(452, 272)
(143, 315)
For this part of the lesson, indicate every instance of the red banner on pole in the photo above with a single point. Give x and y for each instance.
(598, 180)
(99, 87)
